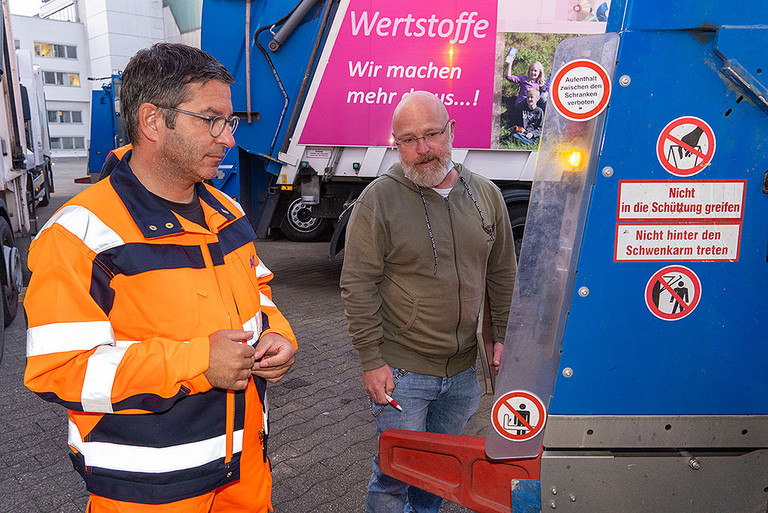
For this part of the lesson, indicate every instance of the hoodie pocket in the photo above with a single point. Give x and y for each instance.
(398, 308)
(412, 319)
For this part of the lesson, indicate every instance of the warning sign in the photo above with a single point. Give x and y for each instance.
(673, 292)
(682, 242)
(686, 146)
(518, 415)
(581, 90)
(681, 200)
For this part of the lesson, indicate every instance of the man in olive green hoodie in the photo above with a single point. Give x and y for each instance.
(425, 242)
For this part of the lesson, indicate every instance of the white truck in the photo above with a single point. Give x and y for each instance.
(316, 84)
(25, 166)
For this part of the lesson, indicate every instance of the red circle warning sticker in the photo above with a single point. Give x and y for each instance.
(686, 146)
(518, 415)
(580, 90)
(673, 292)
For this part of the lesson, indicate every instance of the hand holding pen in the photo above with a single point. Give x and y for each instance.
(377, 382)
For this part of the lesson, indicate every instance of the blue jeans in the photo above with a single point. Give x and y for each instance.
(521, 137)
(430, 403)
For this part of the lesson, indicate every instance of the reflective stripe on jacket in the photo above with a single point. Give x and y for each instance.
(123, 297)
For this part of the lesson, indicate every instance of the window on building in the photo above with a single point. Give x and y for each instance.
(43, 49)
(61, 78)
(65, 116)
(55, 50)
(67, 143)
(16, 44)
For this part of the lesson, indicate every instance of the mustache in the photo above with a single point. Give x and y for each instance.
(426, 158)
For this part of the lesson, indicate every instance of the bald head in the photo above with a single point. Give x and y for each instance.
(424, 134)
(418, 105)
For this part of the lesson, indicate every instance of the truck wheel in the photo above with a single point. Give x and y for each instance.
(517, 214)
(517, 208)
(14, 280)
(49, 174)
(299, 225)
(30, 197)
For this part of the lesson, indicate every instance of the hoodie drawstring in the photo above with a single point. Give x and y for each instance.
(488, 229)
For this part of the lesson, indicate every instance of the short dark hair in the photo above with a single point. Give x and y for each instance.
(159, 75)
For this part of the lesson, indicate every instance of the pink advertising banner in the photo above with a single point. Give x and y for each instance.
(385, 50)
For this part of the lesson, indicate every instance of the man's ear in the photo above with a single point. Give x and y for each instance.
(151, 122)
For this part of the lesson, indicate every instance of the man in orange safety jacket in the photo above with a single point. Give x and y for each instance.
(150, 315)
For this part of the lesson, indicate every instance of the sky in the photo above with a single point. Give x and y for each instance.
(25, 7)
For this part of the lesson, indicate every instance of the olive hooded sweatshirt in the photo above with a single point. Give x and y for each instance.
(416, 266)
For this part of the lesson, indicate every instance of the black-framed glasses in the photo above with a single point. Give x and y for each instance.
(428, 137)
(217, 122)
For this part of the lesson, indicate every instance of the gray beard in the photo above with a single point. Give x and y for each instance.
(432, 176)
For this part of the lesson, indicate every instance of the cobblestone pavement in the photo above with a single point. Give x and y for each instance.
(323, 436)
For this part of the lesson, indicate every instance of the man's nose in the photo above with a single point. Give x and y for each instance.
(422, 146)
(226, 138)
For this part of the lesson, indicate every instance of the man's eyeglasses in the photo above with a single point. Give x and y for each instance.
(217, 122)
(428, 137)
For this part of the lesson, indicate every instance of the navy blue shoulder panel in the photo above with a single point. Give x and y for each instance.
(135, 258)
(236, 235)
(139, 257)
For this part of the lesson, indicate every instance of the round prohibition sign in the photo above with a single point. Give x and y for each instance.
(518, 415)
(686, 146)
(580, 90)
(673, 292)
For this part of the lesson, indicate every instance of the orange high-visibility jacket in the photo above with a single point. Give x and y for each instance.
(112, 159)
(123, 297)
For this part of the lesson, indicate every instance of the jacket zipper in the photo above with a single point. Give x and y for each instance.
(458, 281)
(230, 398)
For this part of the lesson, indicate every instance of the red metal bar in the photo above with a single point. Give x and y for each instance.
(453, 467)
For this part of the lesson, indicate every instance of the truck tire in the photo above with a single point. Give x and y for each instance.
(299, 225)
(47, 186)
(13, 263)
(30, 197)
(517, 208)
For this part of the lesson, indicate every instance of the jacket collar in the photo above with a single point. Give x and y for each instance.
(152, 217)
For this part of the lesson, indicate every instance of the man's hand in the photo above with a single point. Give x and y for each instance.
(229, 361)
(378, 382)
(498, 349)
(274, 355)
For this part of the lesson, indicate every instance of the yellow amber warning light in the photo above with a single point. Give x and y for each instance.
(574, 158)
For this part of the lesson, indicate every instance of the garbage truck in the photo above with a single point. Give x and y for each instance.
(316, 82)
(633, 378)
(26, 176)
(36, 135)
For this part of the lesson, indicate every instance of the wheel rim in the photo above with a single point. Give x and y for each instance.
(15, 278)
(300, 217)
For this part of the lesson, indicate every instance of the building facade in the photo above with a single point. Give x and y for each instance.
(78, 44)
(60, 49)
